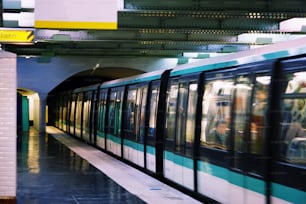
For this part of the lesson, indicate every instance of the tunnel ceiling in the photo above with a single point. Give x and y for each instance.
(169, 28)
(96, 76)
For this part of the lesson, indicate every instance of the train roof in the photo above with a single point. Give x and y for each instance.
(146, 77)
(86, 88)
(269, 52)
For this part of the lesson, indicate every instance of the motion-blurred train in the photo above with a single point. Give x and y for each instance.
(167, 123)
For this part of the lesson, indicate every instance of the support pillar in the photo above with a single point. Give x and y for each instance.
(42, 112)
(8, 127)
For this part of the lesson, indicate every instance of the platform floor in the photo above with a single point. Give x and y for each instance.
(56, 168)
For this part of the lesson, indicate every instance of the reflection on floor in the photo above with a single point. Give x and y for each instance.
(48, 172)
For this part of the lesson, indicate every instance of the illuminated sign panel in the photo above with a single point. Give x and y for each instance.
(16, 36)
(76, 14)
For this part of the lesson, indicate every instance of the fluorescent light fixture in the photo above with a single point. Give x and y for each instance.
(257, 46)
(26, 19)
(199, 55)
(265, 38)
(120, 4)
(190, 54)
(193, 87)
(264, 80)
(10, 16)
(202, 55)
(300, 76)
(182, 60)
(293, 25)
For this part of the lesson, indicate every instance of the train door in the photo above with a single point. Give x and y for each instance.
(58, 111)
(79, 114)
(151, 132)
(134, 123)
(101, 119)
(71, 114)
(249, 155)
(65, 108)
(113, 137)
(212, 162)
(288, 173)
(87, 116)
(180, 130)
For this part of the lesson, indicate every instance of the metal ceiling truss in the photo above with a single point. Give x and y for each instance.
(169, 28)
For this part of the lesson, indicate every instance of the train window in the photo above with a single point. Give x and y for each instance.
(243, 90)
(130, 113)
(293, 121)
(171, 111)
(191, 113)
(259, 107)
(153, 111)
(115, 112)
(143, 92)
(249, 137)
(135, 113)
(216, 113)
(181, 116)
(101, 112)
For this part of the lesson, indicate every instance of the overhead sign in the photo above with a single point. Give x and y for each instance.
(16, 36)
(76, 14)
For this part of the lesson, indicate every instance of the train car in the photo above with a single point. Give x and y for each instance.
(78, 109)
(231, 129)
(126, 118)
(61, 112)
(228, 122)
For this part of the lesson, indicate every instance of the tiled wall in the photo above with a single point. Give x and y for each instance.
(8, 134)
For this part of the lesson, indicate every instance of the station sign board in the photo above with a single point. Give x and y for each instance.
(16, 36)
(76, 14)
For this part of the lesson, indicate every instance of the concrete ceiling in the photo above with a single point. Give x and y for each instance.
(169, 28)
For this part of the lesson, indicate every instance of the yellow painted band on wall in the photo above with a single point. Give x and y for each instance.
(76, 25)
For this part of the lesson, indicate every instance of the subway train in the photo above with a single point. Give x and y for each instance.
(229, 129)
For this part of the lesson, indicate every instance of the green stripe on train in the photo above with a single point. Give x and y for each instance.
(134, 145)
(177, 159)
(113, 138)
(151, 150)
(253, 184)
(100, 134)
(234, 178)
(204, 68)
(289, 194)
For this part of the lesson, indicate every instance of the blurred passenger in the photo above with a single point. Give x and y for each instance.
(258, 120)
(218, 135)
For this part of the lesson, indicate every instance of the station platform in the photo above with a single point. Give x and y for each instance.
(53, 167)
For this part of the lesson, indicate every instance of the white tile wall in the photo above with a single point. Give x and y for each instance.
(7, 124)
